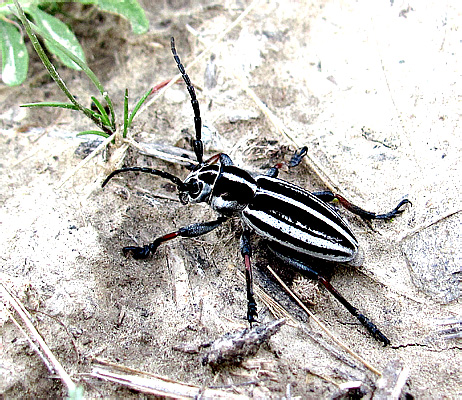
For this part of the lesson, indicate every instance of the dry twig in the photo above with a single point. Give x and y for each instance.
(146, 382)
(34, 337)
(392, 381)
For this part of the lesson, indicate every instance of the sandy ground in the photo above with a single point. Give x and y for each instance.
(373, 91)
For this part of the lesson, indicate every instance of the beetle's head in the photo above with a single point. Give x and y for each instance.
(198, 185)
(196, 188)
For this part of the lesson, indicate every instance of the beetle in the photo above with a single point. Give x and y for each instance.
(298, 225)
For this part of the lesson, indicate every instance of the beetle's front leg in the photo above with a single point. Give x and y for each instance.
(328, 196)
(246, 251)
(294, 161)
(193, 230)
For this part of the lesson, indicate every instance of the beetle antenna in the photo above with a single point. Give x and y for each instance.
(177, 181)
(198, 146)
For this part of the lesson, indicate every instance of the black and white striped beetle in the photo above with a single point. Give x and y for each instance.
(297, 224)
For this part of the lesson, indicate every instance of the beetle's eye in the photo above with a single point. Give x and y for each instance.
(194, 188)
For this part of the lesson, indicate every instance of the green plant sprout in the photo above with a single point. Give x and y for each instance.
(15, 59)
(105, 121)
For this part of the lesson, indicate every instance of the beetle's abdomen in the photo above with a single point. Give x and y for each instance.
(296, 219)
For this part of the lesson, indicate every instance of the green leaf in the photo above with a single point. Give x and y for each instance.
(15, 58)
(130, 9)
(30, 28)
(60, 32)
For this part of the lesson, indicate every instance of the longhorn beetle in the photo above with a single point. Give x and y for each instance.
(297, 224)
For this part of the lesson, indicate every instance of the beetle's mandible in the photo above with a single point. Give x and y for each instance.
(297, 224)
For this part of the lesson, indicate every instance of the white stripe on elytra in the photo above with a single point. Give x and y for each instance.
(314, 213)
(235, 178)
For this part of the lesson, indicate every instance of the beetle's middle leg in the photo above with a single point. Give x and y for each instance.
(246, 251)
(329, 196)
(192, 230)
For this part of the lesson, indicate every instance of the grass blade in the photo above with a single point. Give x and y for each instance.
(125, 113)
(90, 132)
(51, 104)
(138, 106)
(102, 111)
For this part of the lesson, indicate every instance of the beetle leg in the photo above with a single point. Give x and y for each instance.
(273, 172)
(294, 161)
(297, 157)
(312, 274)
(370, 215)
(222, 157)
(328, 196)
(367, 323)
(192, 230)
(246, 251)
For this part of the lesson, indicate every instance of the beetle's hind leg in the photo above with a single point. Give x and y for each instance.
(366, 322)
(246, 251)
(329, 196)
(312, 274)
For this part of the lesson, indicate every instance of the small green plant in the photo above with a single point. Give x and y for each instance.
(105, 120)
(15, 59)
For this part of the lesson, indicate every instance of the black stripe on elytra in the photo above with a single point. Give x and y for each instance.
(296, 193)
